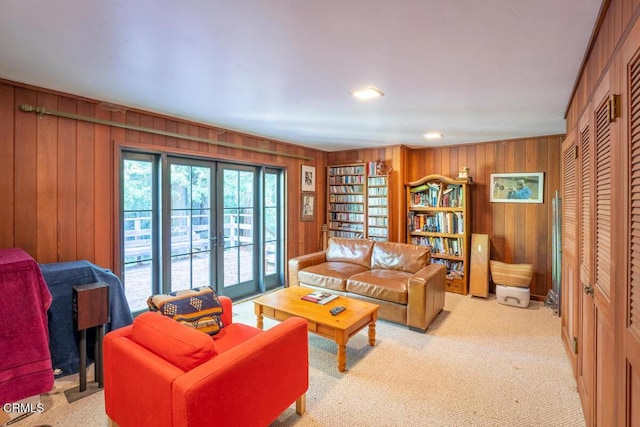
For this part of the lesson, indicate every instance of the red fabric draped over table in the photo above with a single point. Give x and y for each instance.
(25, 360)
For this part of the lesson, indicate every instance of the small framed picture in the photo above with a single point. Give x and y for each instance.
(525, 187)
(308, 207)
(308, 178)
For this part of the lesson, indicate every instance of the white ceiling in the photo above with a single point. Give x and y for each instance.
(474, 70)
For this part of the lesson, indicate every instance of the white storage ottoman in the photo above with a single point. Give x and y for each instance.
(513, 295)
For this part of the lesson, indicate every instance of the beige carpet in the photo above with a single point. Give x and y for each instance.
(479, 364)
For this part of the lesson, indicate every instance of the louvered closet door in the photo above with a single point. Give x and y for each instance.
(630, 303)
(586, 344)
(569, 293)
(604, 358)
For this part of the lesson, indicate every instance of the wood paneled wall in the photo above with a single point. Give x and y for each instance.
(613, 26)
(60, 180)
(519, 233)
(60, 183)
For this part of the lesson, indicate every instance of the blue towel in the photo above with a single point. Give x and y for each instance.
(63, 336)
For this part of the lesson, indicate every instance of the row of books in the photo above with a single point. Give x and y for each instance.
(346, 217)
(347, 189)
(441, 245)
(455, 269)
(346, 207)
(346, 226)
(377, 191)
(347, 179)
(377, 201)
(346, 170)
(378, 221)
(377, 232)
(437, 195)
(437, 222)
(349, 234)
(381, 181)
(378, 211)
(346, 198)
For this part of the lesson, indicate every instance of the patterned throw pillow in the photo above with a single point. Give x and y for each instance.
(198, 308)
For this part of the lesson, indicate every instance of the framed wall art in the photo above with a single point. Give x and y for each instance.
(308, 178)
(527, 187)
(308, 207)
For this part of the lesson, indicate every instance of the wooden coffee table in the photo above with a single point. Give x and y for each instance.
(285, 303)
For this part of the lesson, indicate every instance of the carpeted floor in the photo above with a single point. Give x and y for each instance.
(479, 364)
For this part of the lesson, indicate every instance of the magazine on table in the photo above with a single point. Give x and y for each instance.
(319, 297)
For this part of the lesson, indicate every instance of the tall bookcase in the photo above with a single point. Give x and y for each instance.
(347, 202)
(377, 202)
(358, 201)
(439, 216)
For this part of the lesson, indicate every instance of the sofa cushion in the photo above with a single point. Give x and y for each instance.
(179, 345)
(329, 275)
(198, 308)
(355, 251)
(386, 285)
(400, 256)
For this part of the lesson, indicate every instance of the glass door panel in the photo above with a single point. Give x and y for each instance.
(237, 271)
(190, 233)
(138, 225)
(271, 224)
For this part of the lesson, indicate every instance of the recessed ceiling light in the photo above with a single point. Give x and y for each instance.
(368, 93)
(433, 135)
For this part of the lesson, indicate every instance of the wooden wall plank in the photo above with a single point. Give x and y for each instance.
(172, 126)
(25, 174)
(8, 110)
(510, 218)
(46, 181)
(146, 121)
(67, 180)
(103, 190)
(498, 239)
(85, 204)
(132, 118)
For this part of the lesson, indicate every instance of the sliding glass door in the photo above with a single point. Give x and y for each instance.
(189, 222)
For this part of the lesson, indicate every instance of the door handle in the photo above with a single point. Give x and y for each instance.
(588, 289)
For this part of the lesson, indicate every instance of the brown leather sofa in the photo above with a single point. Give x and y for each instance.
(399, 277)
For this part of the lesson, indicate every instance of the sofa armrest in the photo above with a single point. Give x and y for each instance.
(250, 384)
(426, 296)
(303, 261)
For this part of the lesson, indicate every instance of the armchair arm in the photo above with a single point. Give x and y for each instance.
(426, 295)
(227, 310)
(303, 261)
(250, 384)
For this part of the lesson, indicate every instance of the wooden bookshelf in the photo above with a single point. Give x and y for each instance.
(439, 217)
(346, 202)
(358, 201)
(377, 202)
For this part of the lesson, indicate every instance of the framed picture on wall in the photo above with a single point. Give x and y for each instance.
(308, 178)
(527, 187)
(308, 207)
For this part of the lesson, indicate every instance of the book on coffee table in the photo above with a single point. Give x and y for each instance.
(319, 297)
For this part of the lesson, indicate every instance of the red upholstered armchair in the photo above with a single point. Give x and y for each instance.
(158, 372)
